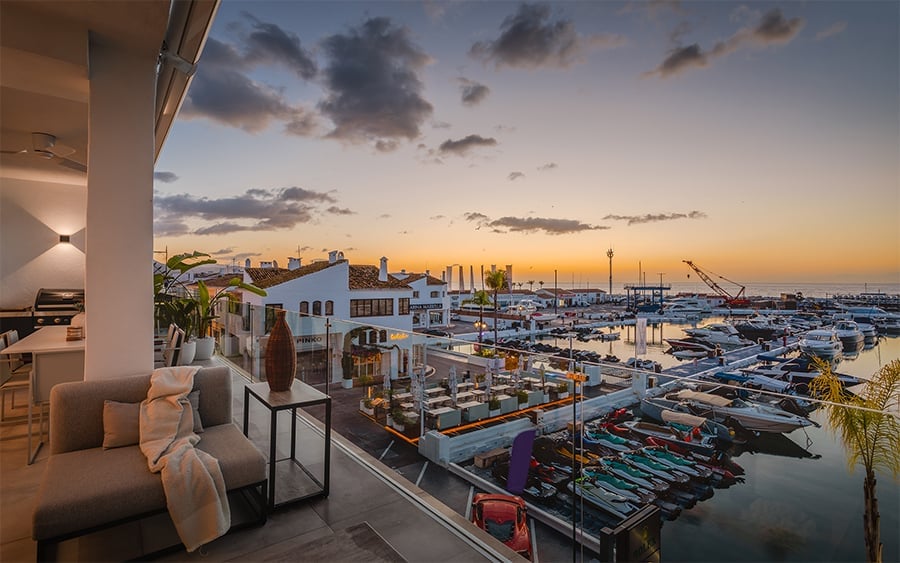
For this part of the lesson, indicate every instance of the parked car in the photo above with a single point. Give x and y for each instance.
(504, 517)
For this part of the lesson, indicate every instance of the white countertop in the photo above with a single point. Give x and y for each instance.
(46, 339)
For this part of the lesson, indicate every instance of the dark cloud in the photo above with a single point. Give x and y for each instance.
(164, 177)
(530, 39)
(655, 217)
(437, 217)
(836, 28)
(335, 210)
(255, 209)
(515, 176)
(462, 146)
(269, 44)
(221, 251)
(548, 166)
(771, 29)
(384, 216)
(544, 225)
(373, 89)
(473, 93)
(222, 93)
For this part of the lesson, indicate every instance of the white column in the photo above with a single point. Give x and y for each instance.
(119, 233)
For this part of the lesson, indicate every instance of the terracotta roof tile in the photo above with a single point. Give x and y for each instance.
(270, 277)
(366, 277)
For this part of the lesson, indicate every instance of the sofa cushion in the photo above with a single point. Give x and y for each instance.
(97, 486)
(241, 462)
(122, 421)
(121, 424)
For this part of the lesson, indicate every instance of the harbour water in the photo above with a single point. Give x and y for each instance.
(799, 501)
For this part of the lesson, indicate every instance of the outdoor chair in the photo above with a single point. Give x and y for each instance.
(15, 375)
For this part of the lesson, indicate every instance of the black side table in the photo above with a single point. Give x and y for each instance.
(298, 396)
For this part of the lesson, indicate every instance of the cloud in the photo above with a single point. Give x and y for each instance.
(221, 93)
(437, 217)
(373, 89)
(473, 93)
(335, 210)
(384, 216)
(256, 209)
(221, 251)
(462, 146)
(544, 225)
(771, 29)
(655, 217)
(548, 166)
(269, 44)
(836, 28)
(515, 176)
(529, 39)
(164, 177)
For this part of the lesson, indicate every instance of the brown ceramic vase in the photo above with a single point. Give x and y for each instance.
(281, 356)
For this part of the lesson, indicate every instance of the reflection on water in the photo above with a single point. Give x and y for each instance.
(799, 502)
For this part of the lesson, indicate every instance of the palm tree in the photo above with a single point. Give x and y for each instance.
(480, 298)
(496, 281)
(541, 284)
(871, 434)
(531, 285)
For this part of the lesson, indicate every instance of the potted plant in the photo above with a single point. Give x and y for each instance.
(365, 405)
(494, 406)
(398, 419)
(206, 310)
(522, 397)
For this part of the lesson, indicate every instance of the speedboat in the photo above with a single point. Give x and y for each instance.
(691, 343)
(888, 325)
(750, 416)
(799, 370)
(849, 334)
(723, 334)
(823, 344)
(609, 502)
(694, 441)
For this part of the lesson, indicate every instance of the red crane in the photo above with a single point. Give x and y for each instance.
(734, 300)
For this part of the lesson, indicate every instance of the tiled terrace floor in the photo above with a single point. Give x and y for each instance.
(413, 525)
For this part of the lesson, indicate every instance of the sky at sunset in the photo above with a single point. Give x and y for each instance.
(758, 139)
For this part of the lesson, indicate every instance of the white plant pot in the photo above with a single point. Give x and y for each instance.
(188, 352)
(205, 348)
(347, 383)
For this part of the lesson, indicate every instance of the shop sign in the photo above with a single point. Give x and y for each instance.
(310, 342)
(425, 306)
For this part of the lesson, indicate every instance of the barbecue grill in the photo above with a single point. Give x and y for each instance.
(56, 306)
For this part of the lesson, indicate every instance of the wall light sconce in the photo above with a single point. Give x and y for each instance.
(64, 239)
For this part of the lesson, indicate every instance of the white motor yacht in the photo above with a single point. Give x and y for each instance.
(723, 334)
(823, 344)
(752, 416)
(849, 334)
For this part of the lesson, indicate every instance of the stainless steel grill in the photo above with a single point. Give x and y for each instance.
(56, 306)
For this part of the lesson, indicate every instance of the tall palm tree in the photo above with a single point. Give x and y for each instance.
(531, 285)
(870, 432)
(496, 281)
(481, 299)
(541, 284)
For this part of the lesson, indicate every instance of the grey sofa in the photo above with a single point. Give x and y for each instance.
(87, 488)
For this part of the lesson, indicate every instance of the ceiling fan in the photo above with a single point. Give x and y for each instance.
(44, 146)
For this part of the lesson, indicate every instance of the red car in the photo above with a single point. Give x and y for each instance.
(503, 516)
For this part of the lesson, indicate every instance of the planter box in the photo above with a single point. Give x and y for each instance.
(535, 398)
(508, 405)
(494, 413)
(368, 410)
(347, 383)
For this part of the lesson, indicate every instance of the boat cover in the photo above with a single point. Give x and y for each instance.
(682, 418)
(707, 398)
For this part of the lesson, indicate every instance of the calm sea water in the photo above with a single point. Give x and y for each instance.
(800, 501)
(695, 285)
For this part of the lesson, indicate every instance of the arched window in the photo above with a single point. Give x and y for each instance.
(304, 307)
(329, 308)
(317, 308)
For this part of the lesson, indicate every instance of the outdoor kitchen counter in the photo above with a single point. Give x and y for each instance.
(47, 339)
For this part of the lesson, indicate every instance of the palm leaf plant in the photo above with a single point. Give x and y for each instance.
(206, 301)
(496, 281)
(868, 425)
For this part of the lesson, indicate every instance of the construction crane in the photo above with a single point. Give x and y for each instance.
(734, 300)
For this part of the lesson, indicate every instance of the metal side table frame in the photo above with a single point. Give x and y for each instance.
(300, 395)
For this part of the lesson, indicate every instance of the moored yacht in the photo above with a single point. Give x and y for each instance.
(823, 344)
(851, 337)
(723, 334)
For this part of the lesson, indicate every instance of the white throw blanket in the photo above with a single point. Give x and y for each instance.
(192, 479)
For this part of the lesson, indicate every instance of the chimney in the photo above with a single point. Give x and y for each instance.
(462, 282)
(383, 271)
(448, 277)
(247, 263)
(509, 276)
(275, 264)
(332, 256)
(294, 263)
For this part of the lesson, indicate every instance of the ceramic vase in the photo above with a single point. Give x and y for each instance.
(281, 356)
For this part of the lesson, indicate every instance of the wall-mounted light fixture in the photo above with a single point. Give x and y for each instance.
(64, 239)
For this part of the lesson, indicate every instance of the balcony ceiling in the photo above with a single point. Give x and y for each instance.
(44, 83)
